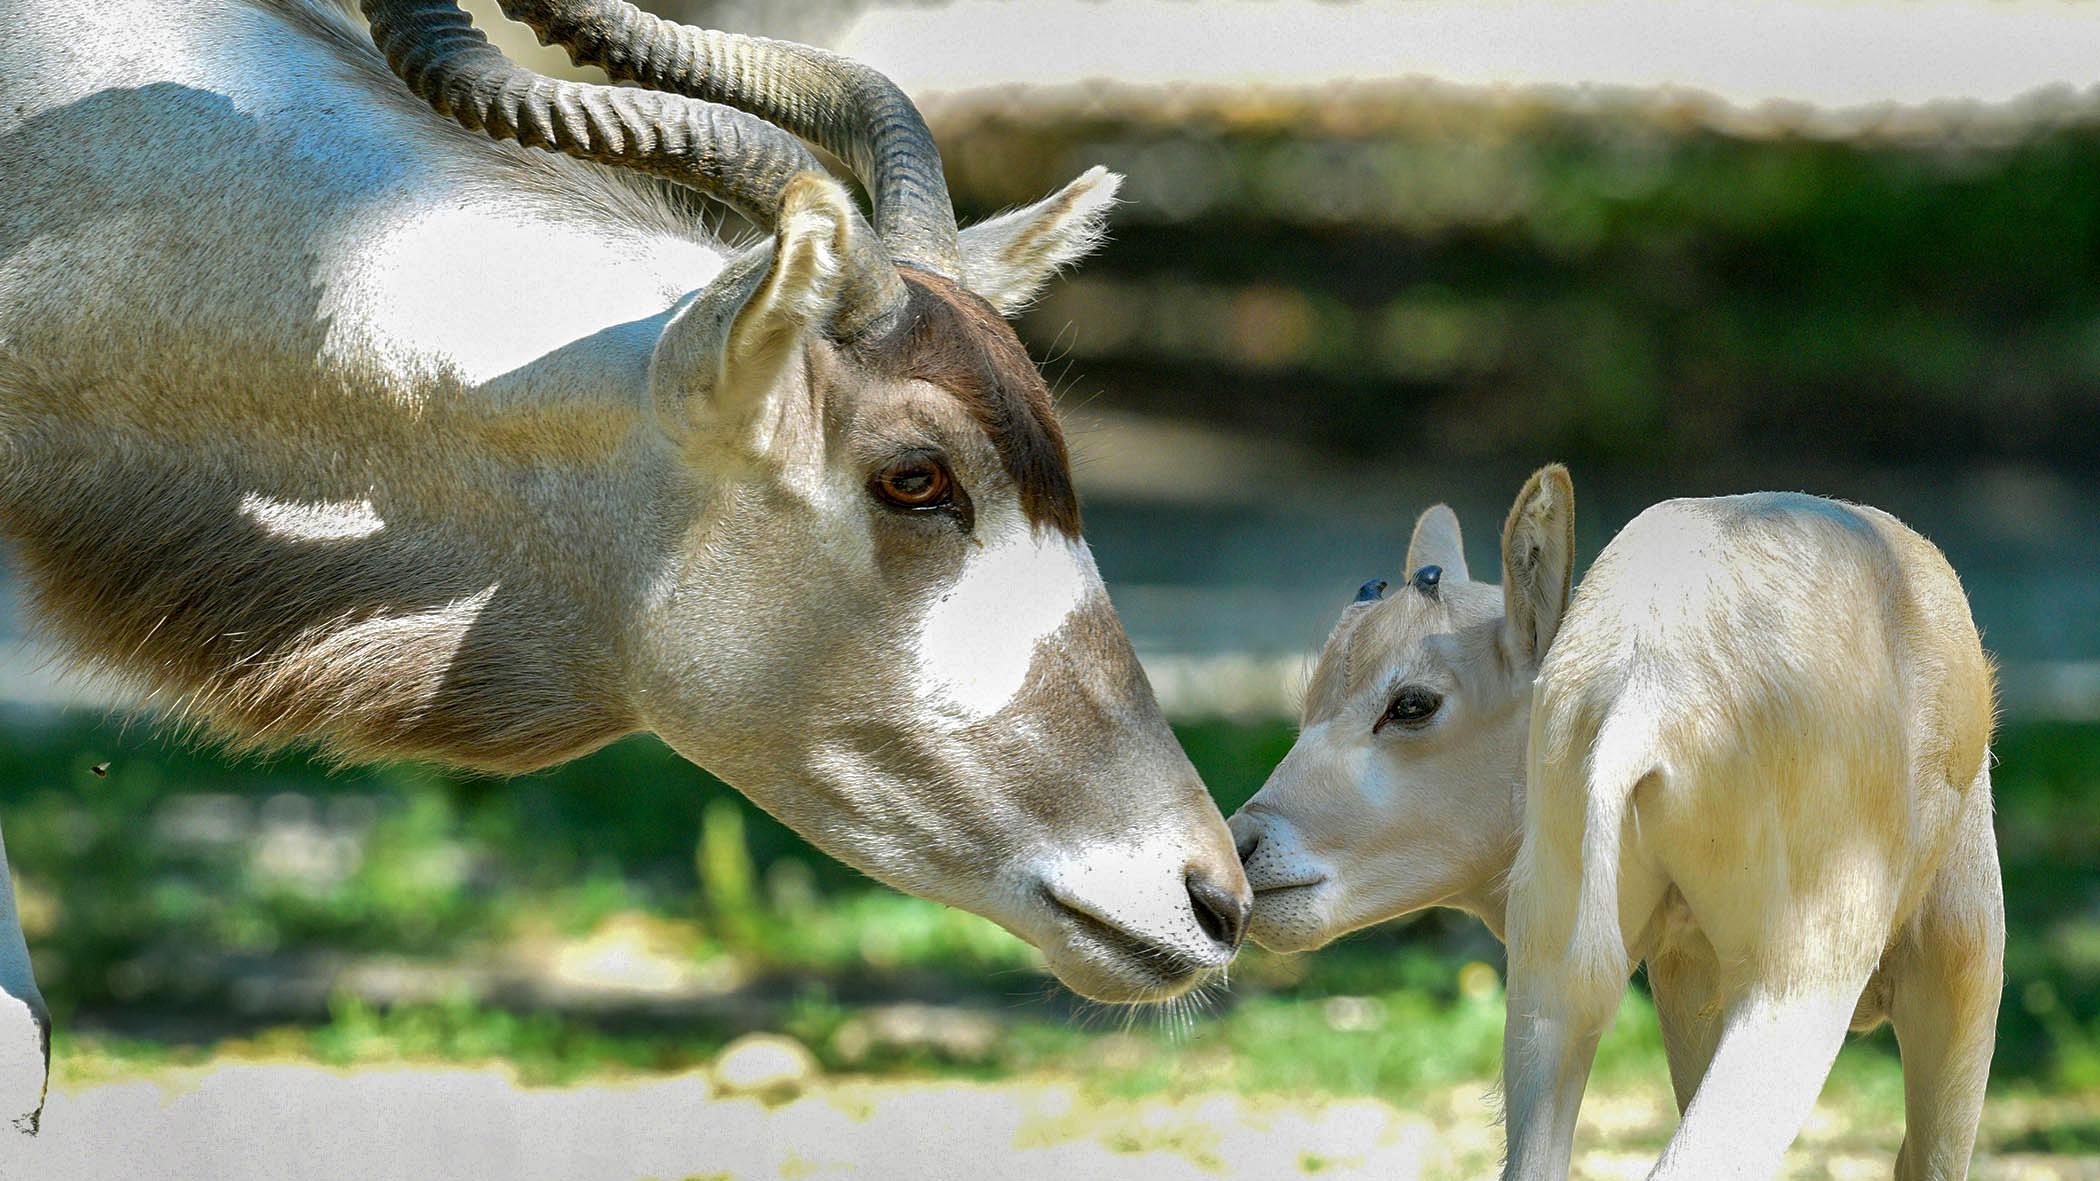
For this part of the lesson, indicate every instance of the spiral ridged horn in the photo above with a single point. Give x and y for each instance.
(852, 111)
(728, 154)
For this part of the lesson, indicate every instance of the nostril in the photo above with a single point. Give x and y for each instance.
(1220, 912)
(1248, 844)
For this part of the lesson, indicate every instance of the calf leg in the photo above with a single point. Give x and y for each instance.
(1549, 1042)
(25, 1025)
(1945, 984)
(1563, 993)
(1774, 1051)
(1688, 1006)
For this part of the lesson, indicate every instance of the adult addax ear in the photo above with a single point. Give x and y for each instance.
(722, 361)
(1538, 561)
(1437, 542)
(1009, 258)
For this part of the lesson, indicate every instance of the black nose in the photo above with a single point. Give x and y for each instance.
(1220, 911)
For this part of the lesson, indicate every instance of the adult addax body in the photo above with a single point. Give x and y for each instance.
(1752, 753)
(345, 421)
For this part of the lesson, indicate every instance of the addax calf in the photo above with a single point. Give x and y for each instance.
(1752, 753)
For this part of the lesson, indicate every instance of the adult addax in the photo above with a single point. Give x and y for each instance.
(343, 420)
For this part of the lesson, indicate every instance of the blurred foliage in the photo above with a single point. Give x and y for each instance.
(166, 894)
(1630, 277)
(1399, 269)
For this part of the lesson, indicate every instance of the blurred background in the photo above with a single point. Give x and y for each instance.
(1374, 256)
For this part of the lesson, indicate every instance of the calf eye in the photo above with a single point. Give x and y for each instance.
(915, 484)
(1412, 706)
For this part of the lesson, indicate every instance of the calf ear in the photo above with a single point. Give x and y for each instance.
(1538, 560)
(1437, 543)
(721, 363)
(1009, 258)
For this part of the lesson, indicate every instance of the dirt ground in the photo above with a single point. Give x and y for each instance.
(280, 1122)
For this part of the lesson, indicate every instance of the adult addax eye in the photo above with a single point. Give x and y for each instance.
(1411, 706)
(916, 484)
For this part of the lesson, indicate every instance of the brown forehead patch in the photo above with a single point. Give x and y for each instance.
(952, 339)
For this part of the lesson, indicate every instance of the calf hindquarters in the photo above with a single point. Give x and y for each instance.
(1938, 984)
(1800, 680)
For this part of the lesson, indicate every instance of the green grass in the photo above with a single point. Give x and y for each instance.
(149, 892)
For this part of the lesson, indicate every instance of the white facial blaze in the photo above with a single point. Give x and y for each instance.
(978, 639)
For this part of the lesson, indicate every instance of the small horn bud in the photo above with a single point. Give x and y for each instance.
(1371, 591)
(1427, 579)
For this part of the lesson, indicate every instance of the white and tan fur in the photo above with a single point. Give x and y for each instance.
(332, 421)
(1752, 753)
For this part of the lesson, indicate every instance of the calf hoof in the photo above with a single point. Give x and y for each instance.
(25, 1061)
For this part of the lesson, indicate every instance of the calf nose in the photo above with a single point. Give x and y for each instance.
(1220, 909)
(1247, 845)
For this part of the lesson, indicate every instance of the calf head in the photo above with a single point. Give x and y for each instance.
(1405, 787)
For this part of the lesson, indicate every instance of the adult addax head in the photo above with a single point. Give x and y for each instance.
(874, 612)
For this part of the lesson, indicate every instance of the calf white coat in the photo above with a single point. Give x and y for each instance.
(1752, 752)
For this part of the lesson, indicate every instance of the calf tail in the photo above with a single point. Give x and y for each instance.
(1623, 753)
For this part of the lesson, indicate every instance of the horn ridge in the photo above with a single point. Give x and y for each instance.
(731, 155)
(846, 107)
